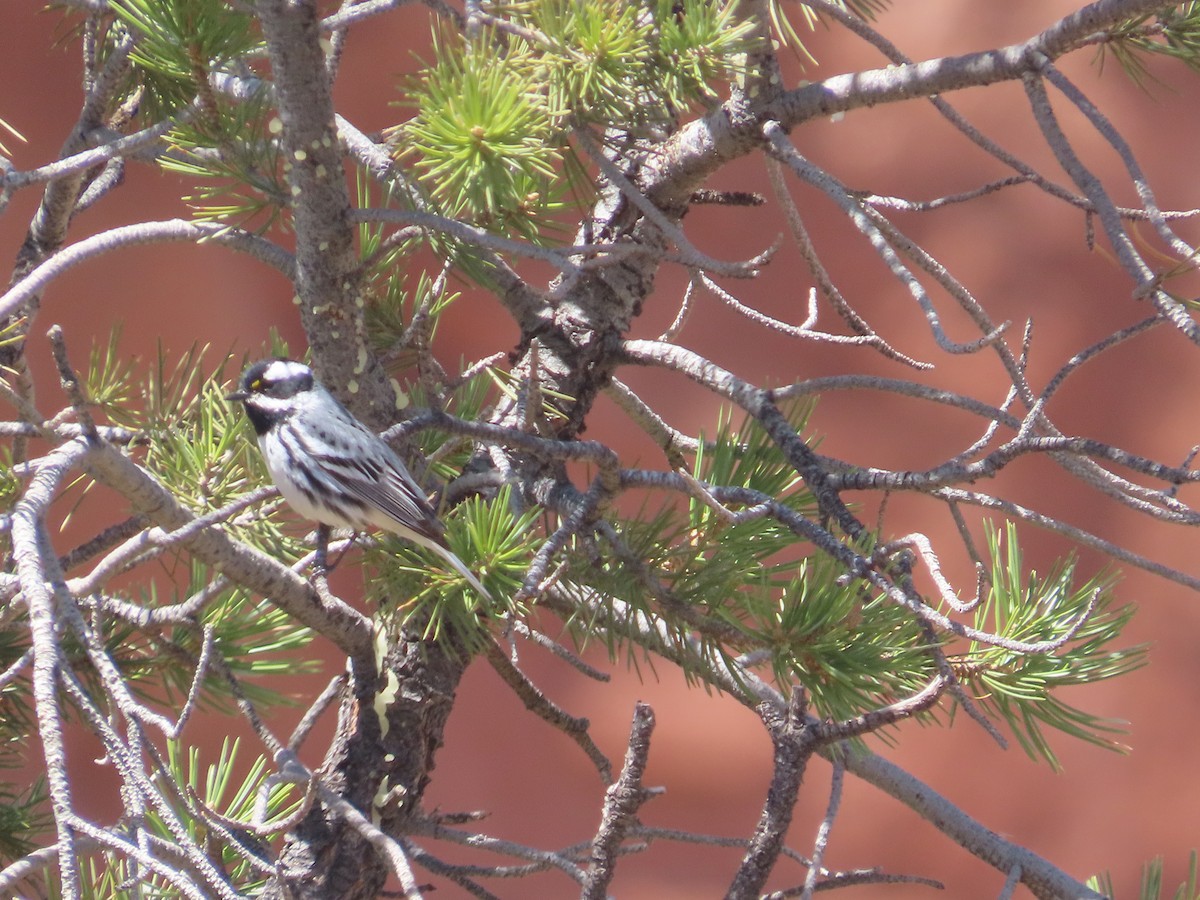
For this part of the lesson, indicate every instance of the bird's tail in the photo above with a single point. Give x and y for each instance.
(459, 566)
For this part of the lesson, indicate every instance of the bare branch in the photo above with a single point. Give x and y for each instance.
(622, 800)
(132, 235)
(820, 274)
(794, 742)
(858, 214)
(822, 840)
(28, 524)
(538, 703)
(1144, 279)
(688, 254)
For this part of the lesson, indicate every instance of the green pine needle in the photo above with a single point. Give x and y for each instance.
(233, 159)
(483, 136)
(490, 538)
(180, 42)
(1152, 881)
(1173, 32)
(1022, 688)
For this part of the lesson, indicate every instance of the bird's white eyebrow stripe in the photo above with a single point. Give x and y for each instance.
(282, 369)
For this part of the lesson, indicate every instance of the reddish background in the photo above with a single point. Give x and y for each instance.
(1021, 254)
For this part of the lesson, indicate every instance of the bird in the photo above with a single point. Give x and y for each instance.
(330, 467)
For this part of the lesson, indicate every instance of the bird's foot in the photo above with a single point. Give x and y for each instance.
(321, 565)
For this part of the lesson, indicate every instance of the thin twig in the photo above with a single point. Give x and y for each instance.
(622, 800)
(822, 841)
(538, 703)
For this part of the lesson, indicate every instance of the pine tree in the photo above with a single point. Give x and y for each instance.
(543, 157)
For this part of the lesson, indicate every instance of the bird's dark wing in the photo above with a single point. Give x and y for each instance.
(380, 480)
(362, 465)
(386, 485)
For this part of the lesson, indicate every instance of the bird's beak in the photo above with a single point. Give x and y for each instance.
(237, 395)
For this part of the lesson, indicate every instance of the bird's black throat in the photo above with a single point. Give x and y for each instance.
(260, 419)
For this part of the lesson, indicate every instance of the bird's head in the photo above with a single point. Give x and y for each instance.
(270, 390)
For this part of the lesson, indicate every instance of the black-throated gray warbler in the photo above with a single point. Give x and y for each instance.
(329, 466)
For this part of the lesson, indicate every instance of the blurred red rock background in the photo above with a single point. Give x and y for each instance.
(1020, 253)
